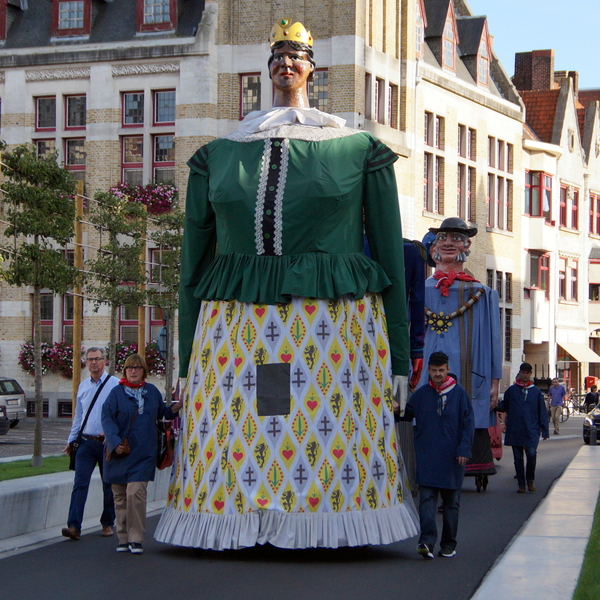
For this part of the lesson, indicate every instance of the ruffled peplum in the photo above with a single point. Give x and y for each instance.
(275, 279)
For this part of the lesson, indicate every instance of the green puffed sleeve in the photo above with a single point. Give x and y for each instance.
(198, 251)
(384, 233)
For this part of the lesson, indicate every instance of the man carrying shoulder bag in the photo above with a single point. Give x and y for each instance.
(86, 441)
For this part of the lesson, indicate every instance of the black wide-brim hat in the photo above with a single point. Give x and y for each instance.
(454, 224)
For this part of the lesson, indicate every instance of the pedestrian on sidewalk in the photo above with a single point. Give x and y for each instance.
(591, 398)
(557, 395)
(444, 429)
(91, 444)
(524, 413)
(129, 418)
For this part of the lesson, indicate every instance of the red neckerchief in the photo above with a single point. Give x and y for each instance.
(131, 385)
(449, 381)
(447, 279)
(522, 384)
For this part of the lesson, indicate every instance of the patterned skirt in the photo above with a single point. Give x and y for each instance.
(288, 433)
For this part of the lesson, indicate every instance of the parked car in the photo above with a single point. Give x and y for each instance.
(12, 397)
(592, 419)
(4, 421)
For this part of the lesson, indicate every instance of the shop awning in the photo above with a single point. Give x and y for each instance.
(580, 352)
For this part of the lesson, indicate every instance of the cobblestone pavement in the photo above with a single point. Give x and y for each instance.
(19, 441)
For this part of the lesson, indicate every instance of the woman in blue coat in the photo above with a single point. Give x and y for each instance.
(131, 411)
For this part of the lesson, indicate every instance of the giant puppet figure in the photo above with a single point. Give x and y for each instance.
(463, 320)
(291, 338)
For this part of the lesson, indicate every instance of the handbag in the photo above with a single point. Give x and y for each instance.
(74, 445)
(124, 442)
(166, 445)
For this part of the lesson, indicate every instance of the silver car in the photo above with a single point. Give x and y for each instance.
(12, 397)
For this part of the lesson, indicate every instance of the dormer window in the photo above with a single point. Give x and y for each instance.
(483, 63)
(71, 17)
(449, 45)
(156, 15)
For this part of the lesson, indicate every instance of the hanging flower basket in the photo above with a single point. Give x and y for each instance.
(156, 365)
(158, 197)
(57, 358)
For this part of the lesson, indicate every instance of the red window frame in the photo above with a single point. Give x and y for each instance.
(421, 24)
(123, 322)
(57, 31)
(37, 114)
(449, 44)
(148, 27)
(536, 209)
(123, 96)
(68, 165)
(483, 61)
(428, 134)
(573, 279)
(37, 147)
(595, 214)
(126, 166)
(155, 121)
(161, 164)
(575, 209)
(542, 274)
(66, 107)
(564, 194)
(45, 323)
(562, 278)
(379, 115)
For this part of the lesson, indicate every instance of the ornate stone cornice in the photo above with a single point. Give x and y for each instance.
(47, 75)
(145, 69)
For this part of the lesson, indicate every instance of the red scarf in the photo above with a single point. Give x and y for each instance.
(523, 384)
(131, 385)
(447, 279)
(449, 381)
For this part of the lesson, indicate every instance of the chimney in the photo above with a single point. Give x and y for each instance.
(534, 70)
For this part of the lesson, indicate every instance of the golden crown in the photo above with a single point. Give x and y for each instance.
(284, 31)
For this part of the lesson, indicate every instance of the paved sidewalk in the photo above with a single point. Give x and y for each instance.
(544, 559)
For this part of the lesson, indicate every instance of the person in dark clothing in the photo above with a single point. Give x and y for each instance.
(444, 428)
(591, 398)
(526, 417)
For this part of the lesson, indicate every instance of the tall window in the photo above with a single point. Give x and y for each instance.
(133, 109)
(574, 270)
(449, 42)
(47, 317)
(128, 324)
(428, 129)
(393, 106)
(318, 90)
(75, 112)
(249, 94)
(595, 214)
(45, 118)
(539, 273)
(164, 107)
(538, 194)
(45, 148)
(502, 283)
(563, 207)
(466, 173)
(562, 278)
(163, 166)
(575, 209)
(133, 159)
(75, 157)
(420, 25)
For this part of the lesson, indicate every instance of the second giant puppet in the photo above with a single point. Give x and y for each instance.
(463, 320)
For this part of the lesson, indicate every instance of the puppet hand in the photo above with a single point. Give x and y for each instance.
(400, 390)
(417, 368)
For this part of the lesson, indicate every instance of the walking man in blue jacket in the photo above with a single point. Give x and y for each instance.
(444, 427)
(526, 418)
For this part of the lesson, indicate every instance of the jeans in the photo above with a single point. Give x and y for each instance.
(428, 497)
(531, 454)
(89, 454)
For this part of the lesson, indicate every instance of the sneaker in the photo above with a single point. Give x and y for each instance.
(135, 548)
(425, 551)
(447, 553)
(123, 547)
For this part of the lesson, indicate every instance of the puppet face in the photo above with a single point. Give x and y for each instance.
(289, 68)
(450, 247)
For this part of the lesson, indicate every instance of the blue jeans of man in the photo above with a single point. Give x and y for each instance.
(522, 472)
(89, 454)
(428, 498)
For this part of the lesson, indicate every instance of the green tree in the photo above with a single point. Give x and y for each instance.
(168, 235)
(116, 272)
(38, 199)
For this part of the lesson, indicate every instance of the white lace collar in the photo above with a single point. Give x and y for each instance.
(262, 120)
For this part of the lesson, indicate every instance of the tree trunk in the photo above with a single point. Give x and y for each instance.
(112, 344)
(36, 460)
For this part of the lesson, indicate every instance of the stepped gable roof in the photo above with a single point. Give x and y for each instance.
(470, 30)
(587, 96)
(112, 22)
(540, 111)
(436, 12)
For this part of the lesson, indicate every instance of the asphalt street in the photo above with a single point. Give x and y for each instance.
(19, 441)
(92, 569)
